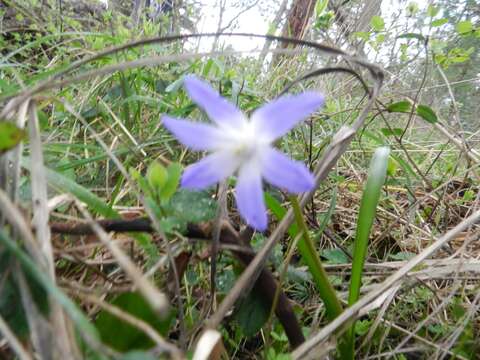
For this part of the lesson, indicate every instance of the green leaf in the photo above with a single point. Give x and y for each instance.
(392, 167)
(10, 136)
(174, 172)
(392, 132)
(320, 7)
(380, 38)
(371, 194)
(193, 206)
(427, 114)
(439, 22)
(402, 256)
(432, 11)
(377, 22)
(362, 327)
(157, 176)
(11, 308)
(122, 336)
(412, 8)
(252, 314)
(464, 27)
(377, 174)
(335, 256)
(138, 355)
(365, 36)
(419, 37)
(400, 106)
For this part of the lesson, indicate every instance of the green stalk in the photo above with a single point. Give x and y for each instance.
(309, 255)
(307, 250)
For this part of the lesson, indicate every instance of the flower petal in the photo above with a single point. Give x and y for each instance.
(196, 136)
(210, 170)
(249, 197)
(283, 172)
(279, 116)
(218, 108)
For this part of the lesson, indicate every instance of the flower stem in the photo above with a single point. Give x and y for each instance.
(309, 255)
(307, 250)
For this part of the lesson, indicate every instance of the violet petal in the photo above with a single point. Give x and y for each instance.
(218, 108)
(282, 172)
(249, 197)
(196, 136)
(208, 171)
(279, 116)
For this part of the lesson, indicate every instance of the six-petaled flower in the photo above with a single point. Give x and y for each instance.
(243, 146)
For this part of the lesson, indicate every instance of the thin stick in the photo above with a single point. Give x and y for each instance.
(157, 300)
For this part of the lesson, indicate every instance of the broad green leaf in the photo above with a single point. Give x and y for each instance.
(412, 8)
(419, 37)
(392, 167)
(11, 308)
(10, 136)
(193, 206)
(362, 327)
(400, 106)
(427, 114)
(157, 176)
(174, 172)
(432, 10)
(380, 38)
(392, 132)
(377, 22)
(439, 22)
(365, 36)
(252, 314)
(335, 256)
(123, 336)
(464, 27)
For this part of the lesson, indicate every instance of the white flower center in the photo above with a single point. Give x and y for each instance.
(245, 143)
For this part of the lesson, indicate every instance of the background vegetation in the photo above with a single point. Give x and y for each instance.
(388, 237)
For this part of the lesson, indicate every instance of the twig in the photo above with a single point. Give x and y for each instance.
(265, 285)
(157, 300)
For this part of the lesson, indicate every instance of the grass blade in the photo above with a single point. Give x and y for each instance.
(63, 183)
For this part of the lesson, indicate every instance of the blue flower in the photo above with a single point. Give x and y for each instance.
(243, 146)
